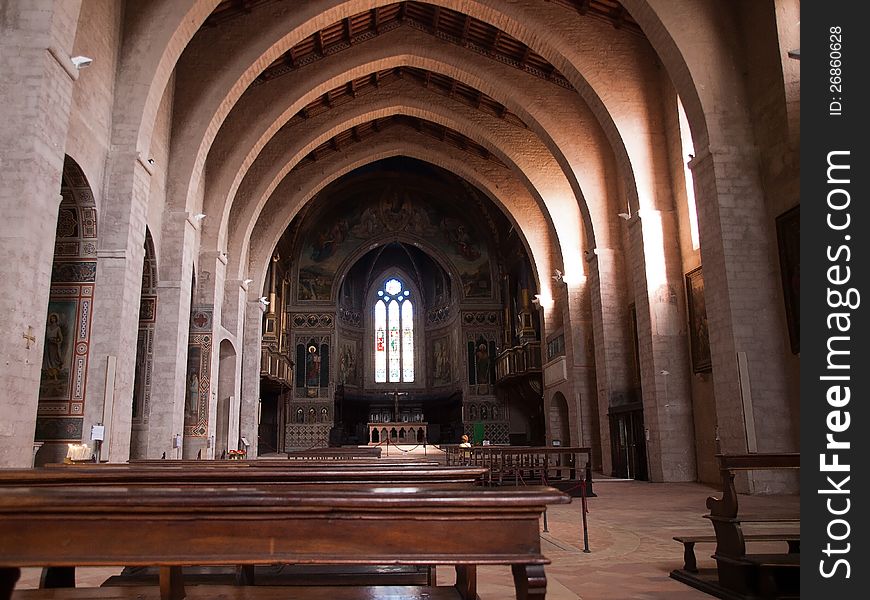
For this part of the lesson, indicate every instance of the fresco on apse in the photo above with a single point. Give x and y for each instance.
(66, 343)
(335, 236)
(197, 383)
(57, 356)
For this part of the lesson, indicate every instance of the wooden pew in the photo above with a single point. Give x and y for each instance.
(221, 473)
(194, 475)
(741, 574)
(341, 453)
(170, 527)
(559, 466)
(256, 463)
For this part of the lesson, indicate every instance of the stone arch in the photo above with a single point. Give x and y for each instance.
(531, 26)
(514, 148)
(66, 345)
(277, 215)
(560, 420)
(144, 353)
(226, 392)
(239, 143)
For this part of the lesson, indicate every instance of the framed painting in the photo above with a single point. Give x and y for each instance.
(788, 237)
(698, 335)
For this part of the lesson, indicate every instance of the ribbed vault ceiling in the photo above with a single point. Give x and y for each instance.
(446, 24)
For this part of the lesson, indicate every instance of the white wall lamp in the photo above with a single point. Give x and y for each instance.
(82, 62)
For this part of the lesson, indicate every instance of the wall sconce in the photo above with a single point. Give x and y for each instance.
(199, 216)
(248, 281)
(263, 301)
(82, 62)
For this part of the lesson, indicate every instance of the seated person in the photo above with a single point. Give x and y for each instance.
(465, 443)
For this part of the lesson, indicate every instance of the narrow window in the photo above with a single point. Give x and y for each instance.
(394, 334)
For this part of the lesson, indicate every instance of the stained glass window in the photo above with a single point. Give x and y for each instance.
(380, 342)
(395, 355)
(407, 342)
(394, 334)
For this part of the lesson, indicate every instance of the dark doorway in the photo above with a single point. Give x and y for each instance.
(628, 442)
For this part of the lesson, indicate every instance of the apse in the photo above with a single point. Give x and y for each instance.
(393, 294)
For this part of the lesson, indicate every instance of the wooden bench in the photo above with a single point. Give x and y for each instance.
(194, 475)
(340, 453)
(741, 574)
(559, 466)
(690, 564)
(170, 527)
(293, 474)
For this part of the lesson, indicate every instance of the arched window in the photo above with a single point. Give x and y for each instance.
(394, 334)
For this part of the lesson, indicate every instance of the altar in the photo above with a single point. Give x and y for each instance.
(398, 425)
(401, 432)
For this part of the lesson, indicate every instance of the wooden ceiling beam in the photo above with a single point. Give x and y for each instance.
(619, 19)
(465, 27)
(496, 39)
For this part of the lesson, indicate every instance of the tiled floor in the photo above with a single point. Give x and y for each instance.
(630, 529)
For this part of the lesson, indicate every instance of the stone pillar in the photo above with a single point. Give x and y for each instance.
(233, 320)
(741, 295)
(250, 400)
(664, 358)
(210, 291)
(171, 334)
(36, 37)
(582, 367)
(613, 344)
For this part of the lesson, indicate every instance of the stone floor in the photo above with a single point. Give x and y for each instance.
(631, 551)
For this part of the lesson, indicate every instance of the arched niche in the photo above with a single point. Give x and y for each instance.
(68, 319)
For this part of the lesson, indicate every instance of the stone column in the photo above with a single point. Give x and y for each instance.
(36, 37)
(171, 334)
(582, 367)
(664, 359)
(250, 400)
(233, 320)
(210, 292)
(613, 344)
(741, 295)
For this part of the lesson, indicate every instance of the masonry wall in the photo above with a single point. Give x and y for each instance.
(98, 36)
(778, 159)
(701, 382)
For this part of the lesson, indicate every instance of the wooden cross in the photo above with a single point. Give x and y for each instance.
(29, 336)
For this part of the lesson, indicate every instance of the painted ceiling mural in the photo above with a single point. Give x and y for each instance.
(337, 234)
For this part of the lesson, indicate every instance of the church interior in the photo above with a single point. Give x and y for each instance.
(249, 228)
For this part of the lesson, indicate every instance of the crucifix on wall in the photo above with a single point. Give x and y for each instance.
(396, 405)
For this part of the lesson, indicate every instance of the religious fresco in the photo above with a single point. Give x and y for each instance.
(348, 363)
(334, 238)
(66, 343)
(57, 356)
(198, 380)
(442, 362)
